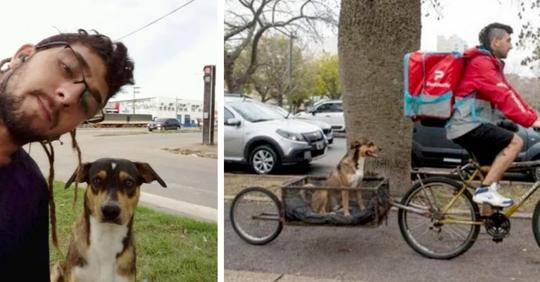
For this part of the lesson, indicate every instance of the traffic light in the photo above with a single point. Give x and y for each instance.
(208, 105)
(209, 71)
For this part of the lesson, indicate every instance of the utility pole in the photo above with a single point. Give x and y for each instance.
(289, 67)
(291, 36)
(136, 90)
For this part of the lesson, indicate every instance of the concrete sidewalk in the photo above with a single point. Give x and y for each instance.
(245, 276)
(178, 207)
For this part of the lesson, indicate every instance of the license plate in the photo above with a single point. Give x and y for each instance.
(319, 145)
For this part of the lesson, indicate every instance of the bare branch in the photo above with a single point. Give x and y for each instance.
(249, 20)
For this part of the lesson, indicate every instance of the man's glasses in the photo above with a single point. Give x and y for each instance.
(71, 65)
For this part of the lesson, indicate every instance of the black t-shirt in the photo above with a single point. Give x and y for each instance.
(24, 241)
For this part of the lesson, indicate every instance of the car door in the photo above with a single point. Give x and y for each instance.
(171, 124)
(336, 115)
(233, 136)
(324, 113)
(431, 147)
(331, 113)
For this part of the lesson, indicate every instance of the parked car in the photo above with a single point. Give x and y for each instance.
(264, 139)
(329, 111)
(164, 124)
(431, 148)
(325, 127)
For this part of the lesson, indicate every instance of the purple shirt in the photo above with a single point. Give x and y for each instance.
(24, 217)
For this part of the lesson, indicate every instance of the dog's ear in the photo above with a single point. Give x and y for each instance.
(79, 175)
(355, 144)
(148, 174)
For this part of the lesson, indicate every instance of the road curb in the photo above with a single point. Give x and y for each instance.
(180, 207)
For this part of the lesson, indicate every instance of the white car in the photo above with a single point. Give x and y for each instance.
(329, 111)
(325, 127)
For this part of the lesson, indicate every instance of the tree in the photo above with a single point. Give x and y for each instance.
(275, 71)
(277, 77)
(326, 76)
(370, 50)
(246, 21)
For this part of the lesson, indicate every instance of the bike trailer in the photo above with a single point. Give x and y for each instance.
(296, 199)
(430, 81)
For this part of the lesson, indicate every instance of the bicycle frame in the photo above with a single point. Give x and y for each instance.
(446, 219)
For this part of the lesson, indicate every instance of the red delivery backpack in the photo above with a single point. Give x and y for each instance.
(430, 81)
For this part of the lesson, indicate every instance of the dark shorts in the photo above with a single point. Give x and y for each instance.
(485, 142)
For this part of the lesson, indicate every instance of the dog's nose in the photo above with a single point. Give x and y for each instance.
(110, 211)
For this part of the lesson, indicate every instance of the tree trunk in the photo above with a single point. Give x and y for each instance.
(228, 66)
(373, 37)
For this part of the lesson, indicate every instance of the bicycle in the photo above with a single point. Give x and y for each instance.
(438, 218)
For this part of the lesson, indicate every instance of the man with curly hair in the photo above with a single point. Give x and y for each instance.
(46, 90)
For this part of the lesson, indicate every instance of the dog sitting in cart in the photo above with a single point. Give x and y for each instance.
(258, 215)
(348, 174)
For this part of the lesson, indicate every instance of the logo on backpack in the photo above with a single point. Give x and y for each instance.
(430, 81)
(439, 74)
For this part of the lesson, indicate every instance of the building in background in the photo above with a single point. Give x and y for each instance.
(188, 112)
(450, 44)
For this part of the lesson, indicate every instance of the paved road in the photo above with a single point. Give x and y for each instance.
(321, 166)
(380, 254)
(191, 180)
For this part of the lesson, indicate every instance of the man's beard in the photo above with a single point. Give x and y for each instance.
(17, 123)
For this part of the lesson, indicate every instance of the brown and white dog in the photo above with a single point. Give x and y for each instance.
(348, 173)
(102, 245)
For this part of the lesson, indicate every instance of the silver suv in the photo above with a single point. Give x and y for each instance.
(261, 137)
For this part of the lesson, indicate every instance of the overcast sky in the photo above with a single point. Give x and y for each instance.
(465, 18)
(169, 55)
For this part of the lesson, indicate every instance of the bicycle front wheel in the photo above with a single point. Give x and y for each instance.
(256, 215)
(428, 228)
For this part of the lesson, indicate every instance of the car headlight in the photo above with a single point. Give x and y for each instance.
(290, 135)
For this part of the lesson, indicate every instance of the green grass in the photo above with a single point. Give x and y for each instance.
(169, 248)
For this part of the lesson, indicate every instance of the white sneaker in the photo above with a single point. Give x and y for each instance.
(489, 195)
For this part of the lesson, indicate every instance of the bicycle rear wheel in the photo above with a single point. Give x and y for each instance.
(256, 215)
(536, 223)
(425, 229)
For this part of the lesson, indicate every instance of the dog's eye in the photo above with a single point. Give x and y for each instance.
(129, 183)
(96, 181)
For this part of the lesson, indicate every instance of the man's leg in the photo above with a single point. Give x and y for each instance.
(503, 160)
(484, 142)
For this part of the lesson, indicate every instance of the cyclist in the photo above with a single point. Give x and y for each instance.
(483, 99)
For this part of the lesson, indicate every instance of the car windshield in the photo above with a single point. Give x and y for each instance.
(161, 120)
(279, 110)
(255, 111)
